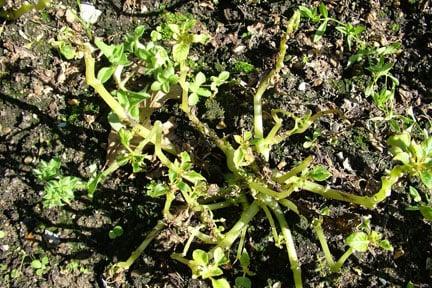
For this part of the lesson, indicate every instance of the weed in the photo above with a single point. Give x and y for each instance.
(40, 265)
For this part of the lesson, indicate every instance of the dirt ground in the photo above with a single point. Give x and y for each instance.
(46, 110)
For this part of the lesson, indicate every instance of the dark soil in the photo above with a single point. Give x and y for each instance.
(46, 110)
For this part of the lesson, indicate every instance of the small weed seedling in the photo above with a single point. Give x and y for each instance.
(40, 266)
(382, 85)
(58, 189)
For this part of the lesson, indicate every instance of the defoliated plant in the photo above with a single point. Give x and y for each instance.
(249, 188)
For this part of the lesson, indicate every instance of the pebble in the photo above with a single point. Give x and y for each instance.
(6, 130)
(28, 160)
(302, 86)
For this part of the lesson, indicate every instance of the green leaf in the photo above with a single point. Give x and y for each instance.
(403, 157)
(44, 260)
(67, 51)
(200, 38)
(415, 195)
(104, 74)
(200, 79)
(107, 50)
(402, 141)
(116, 232)
(244, 260)
(180, 52)
(36, 264)
(219, 257)
(220, 283)
(203, 92)
(46, 171)
(243, 282)
(320, 173)
(156, 190)
(211, 271)
(320, 31)
(426, 211)
(194, 177)
(427, 146)
(238, 157)
(114, 121)
(125, 137)
(2, 234)
(200, 257)
(386, 245)
(306, 12)
(358, 241)
(426, 176)
(193, 99)
(323, 10)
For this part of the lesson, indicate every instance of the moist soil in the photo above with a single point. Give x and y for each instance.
(46, 110)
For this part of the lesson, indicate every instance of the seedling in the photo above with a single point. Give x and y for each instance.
(321, 16)
(116, 232)
(40, 265)
(58, 189)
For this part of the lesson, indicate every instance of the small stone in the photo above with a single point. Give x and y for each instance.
(28, 160)
(302, 86)
(6, 130)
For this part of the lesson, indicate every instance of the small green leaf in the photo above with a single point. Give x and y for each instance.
(212, 271)
(44, 260)
(244, 260)
(180, 52)
(415, 195)
(402, 141)
(104, 74)
(193, 99)
(116, 232)
(220, 283)
(156, 190)
(320, 31)
(320, 173)
(426, 176)
(219, 257)
(403, 157)
(238, 157)
(67, 51)
(194, 177)
(427, 146)
(323, 10)
(2, 234)
(386, 245)
(36, 264)
(200, 38)
(200, 257)
(243, 282)
(358, 241)
(426, 211)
